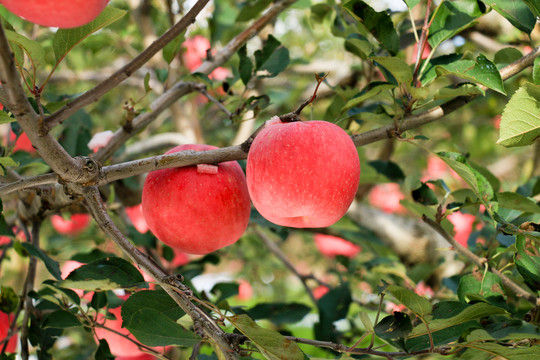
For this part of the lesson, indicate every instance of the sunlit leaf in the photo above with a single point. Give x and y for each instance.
(516, 12)
(414, 302)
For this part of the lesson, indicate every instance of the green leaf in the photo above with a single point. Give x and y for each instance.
(486, 285)
(510, 331)
(411, 3)
(66, 39)
(371, 90)
(481, 71)
(32, 48)
(51, 265)
(103, 351)
(377, 23)
(397, 67)
(155, 328)
(536, 71)
(76, 133)
(389, 169)
(520, 123)
(358, 45)
(504, 352)
(8, 299)
(506, 56)
(6, 119)
(451, 18)
(104, 274)
(534, 6)
(6, 162)
(245, 67)
(366, 321)
(171, 50)
(279, 313)
(251, 10)
(414, 302)
(261, 56)
(516, 12)
(430, 72)
(478, 182)
(424, 195)
(512, 200)
(527, 261)
(276, 63)
(61, 319)
(271, 344)
(464, 89)
(394, 328)
(333, 306)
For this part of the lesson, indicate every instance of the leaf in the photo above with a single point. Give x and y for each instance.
(511, 331)
(397, 67)
(411, 3)
(103, 351)
(534, 6)
(76, 133)
(252, 9)
(512, 200)
(414, 302)
(371, 90)
(390, 169)
(8, 299)
(377, 23)
(424, 195)
(333, 306)
(66, 39)
(394, 328)
(61, 319)
(527, 261)
(276, 63)
(170, 51)
(51, 265)
(261, 56)
(505, 352)
(358, 45)
(516, 12)
(486, 285)
(6, 162)
(279, 313)
(245, 67)
(6, 119)
(366, 321)
(104, 274)
(520, 122)
(153, 328)
(451, 18)
(536, 71)
(464, 89)
(481, 71)
(506, 56)
(271, 344)
(430, 72)
(32, 49)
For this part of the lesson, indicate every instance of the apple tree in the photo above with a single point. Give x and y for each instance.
(394, 179)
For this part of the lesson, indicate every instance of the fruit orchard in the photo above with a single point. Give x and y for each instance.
(269, 179)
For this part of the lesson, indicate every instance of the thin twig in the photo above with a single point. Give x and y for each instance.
(123, 73)
(481, 262)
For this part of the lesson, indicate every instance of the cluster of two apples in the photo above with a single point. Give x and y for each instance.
(298, 174)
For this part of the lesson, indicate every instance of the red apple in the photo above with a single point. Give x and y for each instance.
(462, 226)
(22, 143)
(332, 246)
(196, 48)
(245, 290)
(180, 258)
(144, 356)
(56, 13)
(302, 174)
(119, 345)
(136, 216)
(320, 291)
(387, 197)
(197, 209)
(74, 226)
(5, 323)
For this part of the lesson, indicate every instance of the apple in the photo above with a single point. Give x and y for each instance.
(197, 209)
(119, 345)
(143, 356)
(332, 246)
(303, 173)
(320, 291)
(387, 197)
(56, 13)
(22, 143)
(245, 290)
(135, 214)
(5, 323)
(180, 258)
(463, 224)
(74, 226)
(196, 48)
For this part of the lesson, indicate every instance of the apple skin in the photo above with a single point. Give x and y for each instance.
(56, 13)
(74, 226)
(387, 197)
(302, 174)
(5, 323)
(463, 225)
(136, 216)
(196, 211)
(331, 246)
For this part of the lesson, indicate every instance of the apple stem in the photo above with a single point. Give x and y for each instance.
(295, 115)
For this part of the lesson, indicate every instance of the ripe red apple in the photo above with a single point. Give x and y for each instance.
(74, 226)
(245, 290)
(22, 143)
(5, 323)
(136, 216)
(196, 48)
(332, 246)
(56, 13)
(302, 174)
(320, 291)
(462, 226)
(197, 209)
(387, 197)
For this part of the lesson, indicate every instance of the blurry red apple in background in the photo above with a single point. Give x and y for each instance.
(463, 224)
(319, 291)
(387, 197)
(5, 323)
(22, 143)
(197, 209)
(136, 216)
(119, 345)
(56, 13)
(302, 174)
(144, 356)
(195, 54)
(180, 258)
(74, 226)
(245, 291)
(332, 246)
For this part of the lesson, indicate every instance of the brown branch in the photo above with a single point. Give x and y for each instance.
(178, 291)
(123, 73)
(481, 262)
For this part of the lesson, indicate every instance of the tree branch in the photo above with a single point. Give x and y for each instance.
(123, 73)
